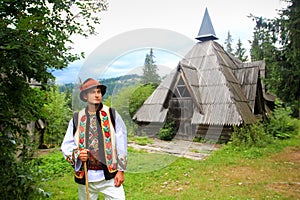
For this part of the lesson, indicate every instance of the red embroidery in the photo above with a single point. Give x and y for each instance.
(103, 113)
(81, 140)
(81, 129)
(107, 134)
(106, 123)
(107, 141)
(108, 145)
(82, 132)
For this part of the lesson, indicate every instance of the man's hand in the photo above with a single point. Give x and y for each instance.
(84, 155)
(119, 178)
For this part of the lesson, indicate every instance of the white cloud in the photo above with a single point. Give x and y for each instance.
(182, 17)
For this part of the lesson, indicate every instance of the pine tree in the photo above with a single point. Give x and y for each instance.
(277, 42)
(150, 70)
(240, 52)
(228, 43)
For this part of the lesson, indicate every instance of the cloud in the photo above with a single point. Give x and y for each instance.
(69, 74)
(182, 17)
(133, 63)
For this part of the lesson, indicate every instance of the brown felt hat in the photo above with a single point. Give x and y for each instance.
(89, 84)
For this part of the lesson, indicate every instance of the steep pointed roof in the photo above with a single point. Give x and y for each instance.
(210, 73)
(206, 31)
(222, 98)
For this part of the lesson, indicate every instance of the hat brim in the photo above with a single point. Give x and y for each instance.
(102, 88)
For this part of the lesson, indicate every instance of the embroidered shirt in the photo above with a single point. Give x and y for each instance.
(93, 141)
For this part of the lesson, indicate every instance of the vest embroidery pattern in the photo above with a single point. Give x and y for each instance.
(107, 141)
(82, 127)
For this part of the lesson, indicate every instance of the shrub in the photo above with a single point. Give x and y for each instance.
(165, 134)
(250, 136)
(52, 165)
(169, 130)
(17, 179)
(280, 124)
(139, 96)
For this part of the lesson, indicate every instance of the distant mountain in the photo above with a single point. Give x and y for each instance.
(113, 84)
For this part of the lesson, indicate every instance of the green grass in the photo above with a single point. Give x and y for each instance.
(257, 173)
(61, 188)
(141, 140)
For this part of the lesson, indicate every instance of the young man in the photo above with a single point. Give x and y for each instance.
(97, 136)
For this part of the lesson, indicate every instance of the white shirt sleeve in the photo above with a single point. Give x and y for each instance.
(121, 142)
(69, 147)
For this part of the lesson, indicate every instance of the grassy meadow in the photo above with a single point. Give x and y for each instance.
(256, 173)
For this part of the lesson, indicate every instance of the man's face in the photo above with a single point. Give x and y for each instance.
(93, 96)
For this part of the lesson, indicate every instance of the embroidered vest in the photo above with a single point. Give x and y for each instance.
(108, 136)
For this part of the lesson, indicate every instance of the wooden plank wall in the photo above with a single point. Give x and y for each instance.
(148, 129)
(212, 133)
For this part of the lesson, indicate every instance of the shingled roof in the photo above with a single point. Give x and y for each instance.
(222, 97)
(218, 95)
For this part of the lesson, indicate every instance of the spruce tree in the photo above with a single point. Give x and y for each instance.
(228, 43)
(240, 52)
(150, 70)
(277, 42)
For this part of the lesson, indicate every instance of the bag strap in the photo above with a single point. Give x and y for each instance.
(75, 122)
(112, 113)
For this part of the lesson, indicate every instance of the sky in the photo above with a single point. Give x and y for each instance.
(129, 27)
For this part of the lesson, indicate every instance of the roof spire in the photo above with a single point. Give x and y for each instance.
(206, 31)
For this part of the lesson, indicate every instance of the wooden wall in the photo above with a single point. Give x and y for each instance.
(182, 112)
(213, 133)
(148, 129)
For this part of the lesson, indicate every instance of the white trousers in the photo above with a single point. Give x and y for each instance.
(107, 187)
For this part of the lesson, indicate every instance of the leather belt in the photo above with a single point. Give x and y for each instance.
(95, 167)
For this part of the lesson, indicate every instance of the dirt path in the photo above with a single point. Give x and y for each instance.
(181, 148)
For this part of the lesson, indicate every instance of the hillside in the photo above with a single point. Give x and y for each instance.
(113, 84)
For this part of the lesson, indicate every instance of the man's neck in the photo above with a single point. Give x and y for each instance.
(92, 107)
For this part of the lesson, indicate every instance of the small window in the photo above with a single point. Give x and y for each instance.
(181, 89)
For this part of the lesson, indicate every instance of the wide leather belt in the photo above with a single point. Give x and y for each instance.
(95, 167)
(94, 164)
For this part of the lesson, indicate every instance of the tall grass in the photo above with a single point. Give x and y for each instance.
(279, 125)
